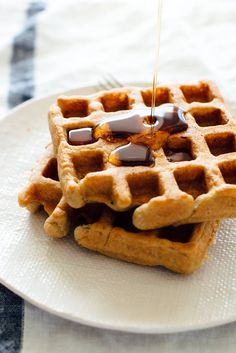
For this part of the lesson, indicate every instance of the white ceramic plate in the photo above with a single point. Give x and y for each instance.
(58, 276)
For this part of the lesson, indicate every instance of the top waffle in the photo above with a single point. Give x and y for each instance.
(194, 190)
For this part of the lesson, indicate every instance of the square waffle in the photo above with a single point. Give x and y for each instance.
(200, 189)
(44, 190)
(181, 249)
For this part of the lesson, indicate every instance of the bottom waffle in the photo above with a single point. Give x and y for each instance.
(181, 249)
(44, 190)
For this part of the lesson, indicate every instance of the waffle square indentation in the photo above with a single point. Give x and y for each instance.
(162, 96)
(198, 93)
(115, 101)
(191, 180)
(50, 171)
(221, 143)
(88, 161)
(77, 107)
(144, 186)
(209, 117)
(228, 171)
(177, 146)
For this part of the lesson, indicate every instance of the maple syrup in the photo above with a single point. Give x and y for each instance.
(166, 117)
(157, 56)
(123, 126)
(177, 156)
(169, 118)
(145, 124)
(132, 155)
(83, 136)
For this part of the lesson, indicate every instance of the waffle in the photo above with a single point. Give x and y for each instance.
(181, 249)
(197, 190)
(44, 190)
(187, 244)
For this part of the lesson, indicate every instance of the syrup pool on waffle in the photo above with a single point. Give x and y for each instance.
(166, 118)
(132, 155)
(142, 131)
(78, 137)
(173, 156)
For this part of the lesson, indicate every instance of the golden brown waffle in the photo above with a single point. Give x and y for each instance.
(180, 249)
(44, 190)
(201, 189)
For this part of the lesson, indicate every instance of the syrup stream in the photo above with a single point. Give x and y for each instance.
(156, 63)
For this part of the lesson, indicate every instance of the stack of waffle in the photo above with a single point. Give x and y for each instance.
(160, 209)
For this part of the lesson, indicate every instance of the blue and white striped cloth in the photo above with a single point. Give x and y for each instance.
(49, 46)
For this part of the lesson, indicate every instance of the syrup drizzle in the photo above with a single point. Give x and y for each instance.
(146, 123)
(157, 58)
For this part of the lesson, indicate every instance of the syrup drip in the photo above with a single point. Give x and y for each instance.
(132, 155)
(156, 66)
(82, 136)
(150, 127)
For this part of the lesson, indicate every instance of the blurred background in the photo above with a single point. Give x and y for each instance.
(75, 41)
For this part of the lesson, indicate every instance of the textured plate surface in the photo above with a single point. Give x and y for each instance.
(59, 277)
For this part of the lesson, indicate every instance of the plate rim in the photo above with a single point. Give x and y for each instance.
(121, 328)
(147, 329)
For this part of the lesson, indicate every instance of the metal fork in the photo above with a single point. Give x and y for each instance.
(108, 81)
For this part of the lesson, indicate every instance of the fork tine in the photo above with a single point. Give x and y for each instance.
(112, 80)
(108, 81)
(104, 82)
(102, 85)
